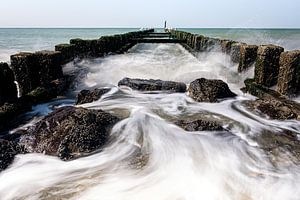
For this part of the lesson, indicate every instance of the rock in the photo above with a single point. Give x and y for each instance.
(278, 144)
(274, 108)
(10, 111)
(204, 90)
(70, 132)
(33, 70)
(200, 125)
(235, 52)
(248, 54)
(82, 47)
(289, 73)
(226, 45)
(8, 89)
(49, 63)
(267, 64)
(26, 71)
(67, 52)
(88, 96)
(8, 150)
(153, 85)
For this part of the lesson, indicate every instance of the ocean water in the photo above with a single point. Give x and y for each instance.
(151, 158)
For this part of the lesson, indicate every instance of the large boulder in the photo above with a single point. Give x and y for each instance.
(8, 150)
(8, 89)
(153, 85)
(289, 73)
(88, 96)
(205, 90)
(70, 132)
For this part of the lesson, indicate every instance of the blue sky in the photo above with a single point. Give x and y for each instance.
(144, 13)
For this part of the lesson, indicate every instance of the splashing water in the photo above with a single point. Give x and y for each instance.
(151, 158)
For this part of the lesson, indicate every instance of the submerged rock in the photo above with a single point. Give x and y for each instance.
(274, 108)
(88, 96)
(8, 150)
(204, 90)
(153, 85)
(200, 125)
(70, 132)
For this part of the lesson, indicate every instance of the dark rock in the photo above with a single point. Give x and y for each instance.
(226, 45)
(88, 96)
(289, 73)
(267, 64)
(50, 68)
(67, 52)
(153, 85)
(278, 144)
(274, 108)
(200, 125)
(39, 95)
(204, 90)
(248, 54)
(26, 71)
(70, 132)
(8, 150)
(10, 111)
(82, 47)
(35, 70)
(8, 89)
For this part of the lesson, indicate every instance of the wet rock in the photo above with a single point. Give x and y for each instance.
(8, 150)
(235, 52)
(248, 54)
(10, 111)
(205, 90)
(274, 108)
(8, 89)
(153, 85)
(226, 45)
(67, 52)
(26, 71)
(289, 73)
(88, 96)
(267, 64)
(199, 125)
(33, 70)
(82, 47)
(70, 132)
(283, 145)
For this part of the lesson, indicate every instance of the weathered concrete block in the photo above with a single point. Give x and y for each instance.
(82, 47)
(235, 52)
(248, 54)
(226, 45)
(8, 89)
(26, 70)
(67, 52)
(289, 73)
(49, 63)
(267, 64)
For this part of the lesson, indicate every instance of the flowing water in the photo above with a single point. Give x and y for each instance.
(151, 158)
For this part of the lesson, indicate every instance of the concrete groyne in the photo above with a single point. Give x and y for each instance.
(39, 75)
(273, 65)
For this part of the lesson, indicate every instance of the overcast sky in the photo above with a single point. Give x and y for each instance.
(144, 13)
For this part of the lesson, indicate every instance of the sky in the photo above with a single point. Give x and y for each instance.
(145, 13)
